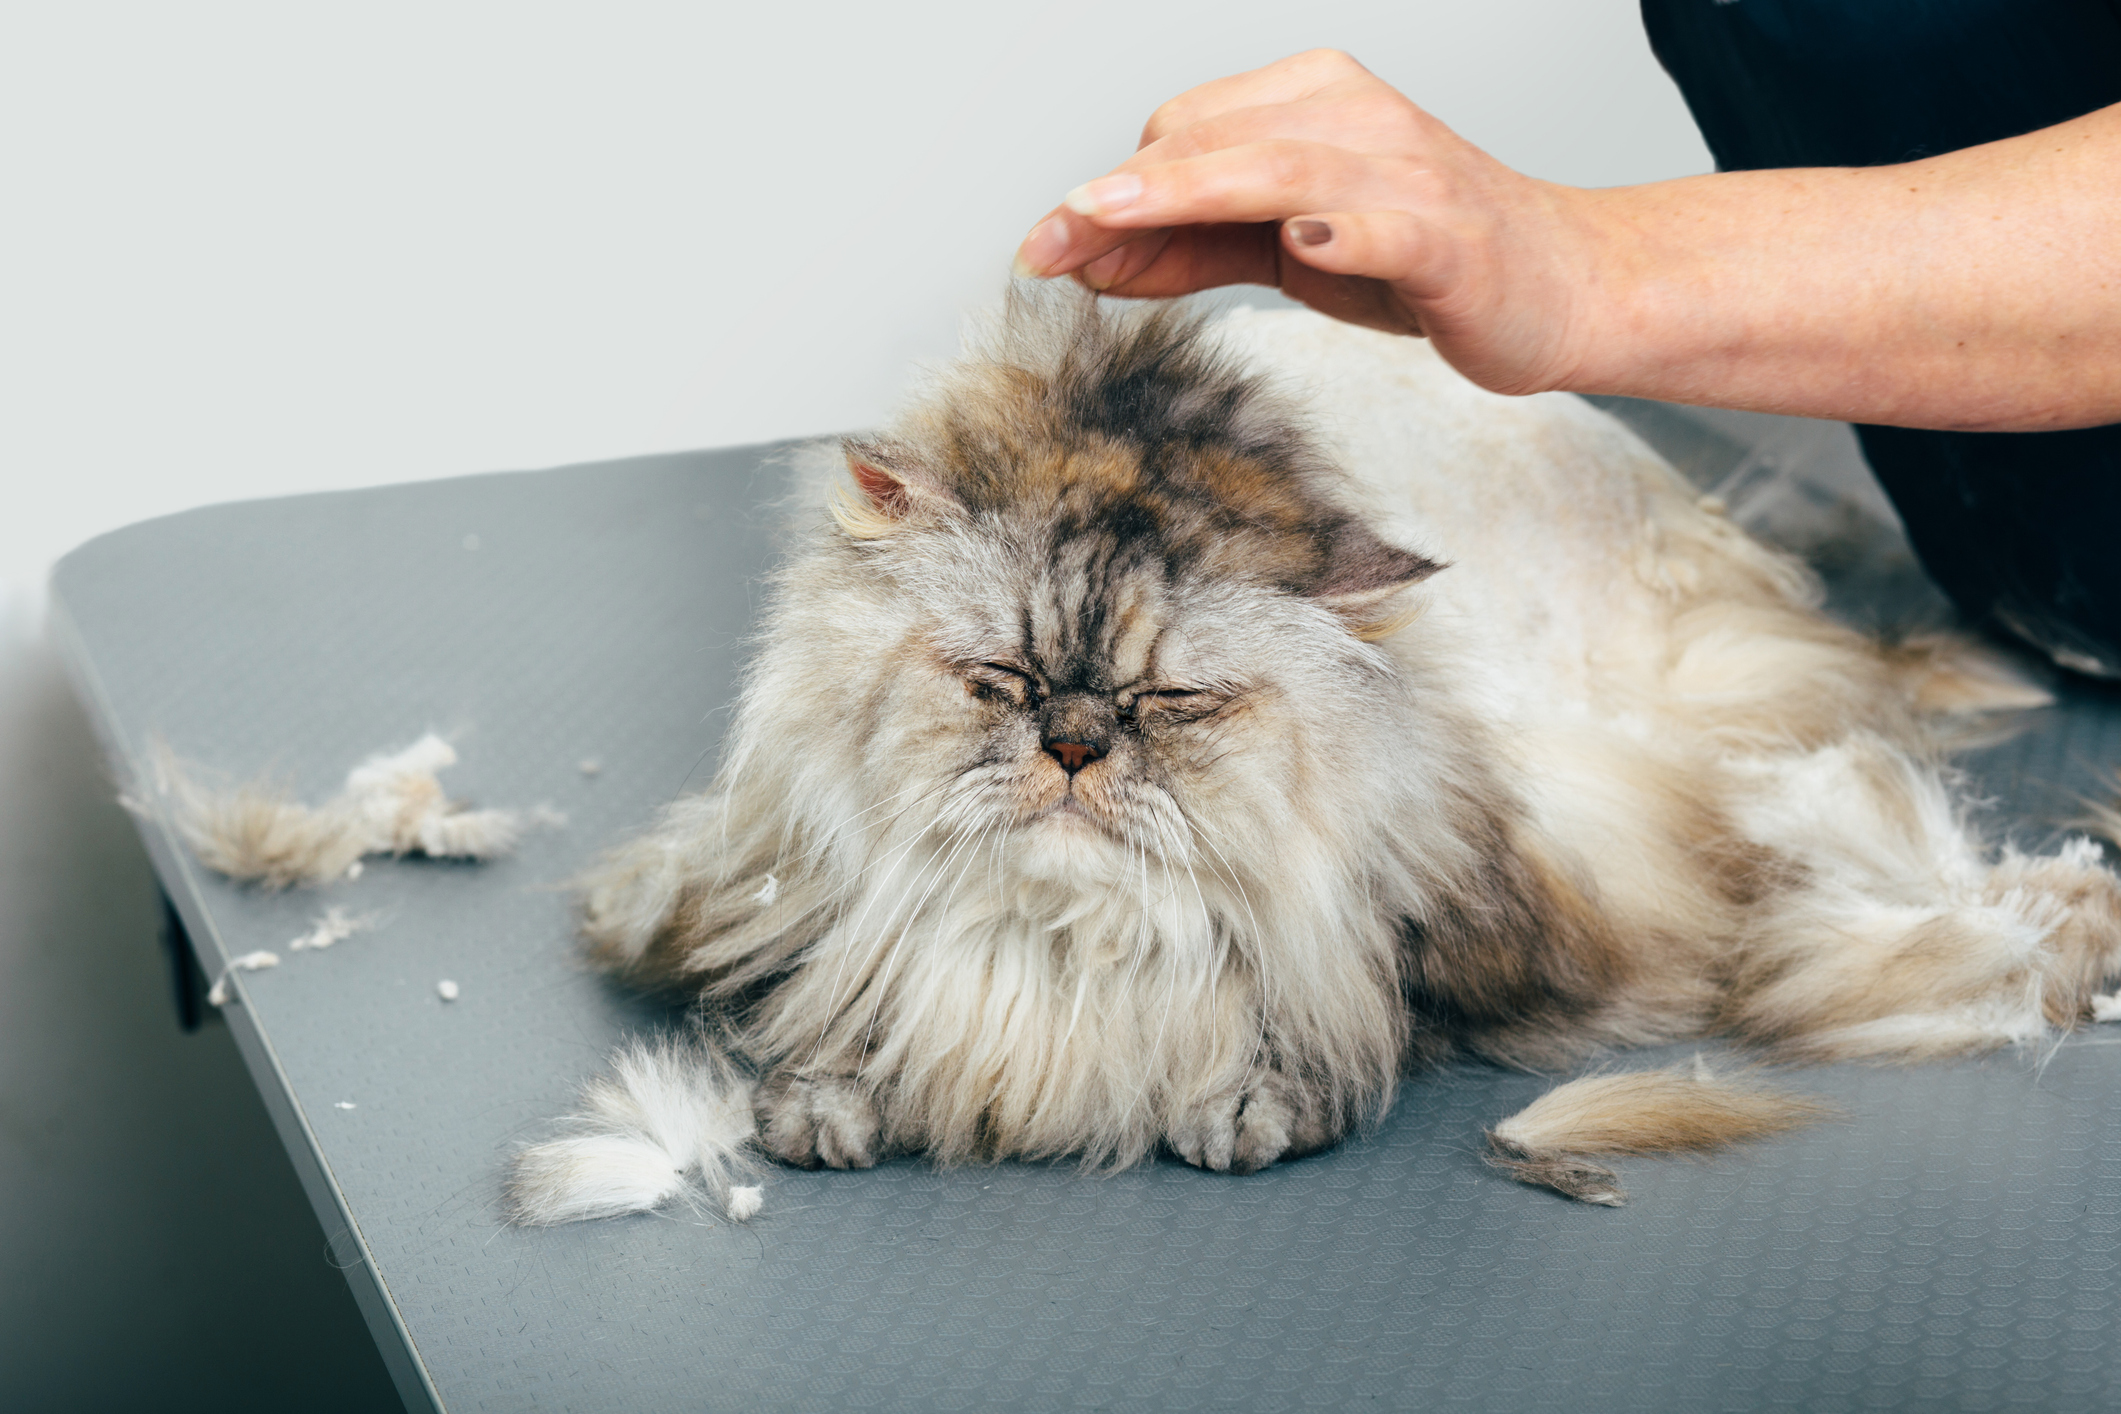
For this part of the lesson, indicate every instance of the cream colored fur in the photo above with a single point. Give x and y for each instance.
(1650, 665)
(1716, 812)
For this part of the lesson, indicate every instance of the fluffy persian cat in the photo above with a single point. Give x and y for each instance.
(1175, 735)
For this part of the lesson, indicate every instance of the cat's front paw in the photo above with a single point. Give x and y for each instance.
(819, 1121)
(1243, 1131)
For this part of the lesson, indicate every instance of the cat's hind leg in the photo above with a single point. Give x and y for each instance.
(1896, 937)
(2014, 955)
(631, 896)
(1906, 938)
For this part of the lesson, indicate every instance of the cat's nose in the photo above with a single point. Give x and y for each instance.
(1076, 729)
(1073, 755)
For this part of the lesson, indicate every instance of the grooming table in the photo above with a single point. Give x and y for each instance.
(1951, 1245)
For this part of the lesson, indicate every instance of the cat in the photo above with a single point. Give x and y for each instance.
(1170, 735)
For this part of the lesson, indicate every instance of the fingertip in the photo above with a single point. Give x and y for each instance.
(1105, 196)
(1382, 245)
(1042, 249)
(1308, 231)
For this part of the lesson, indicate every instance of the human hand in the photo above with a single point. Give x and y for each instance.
(1314, 176)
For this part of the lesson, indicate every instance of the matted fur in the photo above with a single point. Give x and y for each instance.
(1422, 723)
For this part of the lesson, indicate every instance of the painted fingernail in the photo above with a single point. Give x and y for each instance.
(1044, 246)
(1310, 232)
(1101, 272)
(1105, 195)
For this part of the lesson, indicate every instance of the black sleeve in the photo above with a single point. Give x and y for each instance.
(2018, 528)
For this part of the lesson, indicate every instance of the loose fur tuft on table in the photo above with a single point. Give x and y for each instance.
(673, 1118)
(1685, 1109)
(392, 803)
(1167, 737)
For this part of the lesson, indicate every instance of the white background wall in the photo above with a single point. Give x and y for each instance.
(258, 249)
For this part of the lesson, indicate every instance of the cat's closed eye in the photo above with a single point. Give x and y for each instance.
(1001, 682)
(1172, 703)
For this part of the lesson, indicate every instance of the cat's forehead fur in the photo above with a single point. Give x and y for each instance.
(1125, 454)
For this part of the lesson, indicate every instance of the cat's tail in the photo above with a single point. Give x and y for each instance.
(1685, 1109)
(672, 1120)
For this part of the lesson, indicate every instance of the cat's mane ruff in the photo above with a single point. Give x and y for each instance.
(1607, 778)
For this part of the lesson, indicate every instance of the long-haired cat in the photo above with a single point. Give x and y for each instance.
(1174, 735)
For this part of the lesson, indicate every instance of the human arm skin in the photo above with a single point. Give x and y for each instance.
(1977, 291)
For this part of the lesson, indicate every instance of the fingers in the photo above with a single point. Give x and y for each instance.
(1255, 126)
(1201, 258)
(1061, 242)
(1117, 267)
(1208, 257)
(1066, 240)
(1379, 124)
(1387, 270)
(1258, 182)
(1298, 76)
(1261, 181)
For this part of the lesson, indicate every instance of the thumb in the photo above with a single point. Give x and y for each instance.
(1393, 246)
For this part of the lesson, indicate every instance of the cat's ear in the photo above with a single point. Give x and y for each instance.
(1363, 577)
(889, 488)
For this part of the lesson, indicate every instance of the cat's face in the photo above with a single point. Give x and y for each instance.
(1102, 708)
(1109, 668)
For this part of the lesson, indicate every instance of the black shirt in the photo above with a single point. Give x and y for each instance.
(2020, 528)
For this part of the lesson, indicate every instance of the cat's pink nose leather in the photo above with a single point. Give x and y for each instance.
(1073, 755)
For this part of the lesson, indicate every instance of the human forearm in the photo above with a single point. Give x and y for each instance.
(1979, 290)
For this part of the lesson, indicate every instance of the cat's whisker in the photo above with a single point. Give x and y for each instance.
(1229, 872)
(864, 979)
(847, 887)
(840, 828)
(1146, 1074)
(1212, 966)
(886, 825)
(1262, 976)
(1144, 1086)
(1075, 1013)
(849, 933)
(971, 850)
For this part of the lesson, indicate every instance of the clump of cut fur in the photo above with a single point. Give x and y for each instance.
(335, 925)
(392, 803)
(222, 993)
(672, 1120)
(1681, 1110)
(1174, 735)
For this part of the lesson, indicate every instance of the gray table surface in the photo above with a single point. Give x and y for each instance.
(1951, 1245)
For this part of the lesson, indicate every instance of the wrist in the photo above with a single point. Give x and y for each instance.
(1631, 324)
